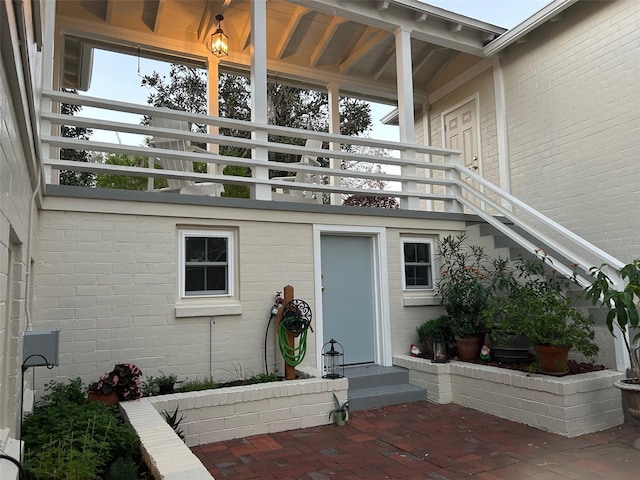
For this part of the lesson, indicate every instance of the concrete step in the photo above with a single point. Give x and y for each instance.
(374, 397)
(372, 386)
(366, 376)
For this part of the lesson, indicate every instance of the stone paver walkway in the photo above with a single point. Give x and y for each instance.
(426, 441)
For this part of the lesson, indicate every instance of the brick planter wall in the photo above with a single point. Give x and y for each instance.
(569, 406)
(223, 414)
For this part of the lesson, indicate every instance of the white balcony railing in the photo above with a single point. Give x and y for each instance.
(425, 178)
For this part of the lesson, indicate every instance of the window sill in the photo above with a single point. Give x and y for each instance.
(419, 300)
(211, 310)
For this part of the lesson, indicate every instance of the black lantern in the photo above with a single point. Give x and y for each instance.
(219, 41)
(440, 351)
(333, 359)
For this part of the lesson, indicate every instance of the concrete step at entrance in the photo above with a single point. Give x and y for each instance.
(372, 386)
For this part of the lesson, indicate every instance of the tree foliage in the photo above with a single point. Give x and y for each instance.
(185, 88)
(71, 177)
(122, 182)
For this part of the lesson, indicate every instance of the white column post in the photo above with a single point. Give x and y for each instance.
(404, 73)
(213, 109)
(259, 93)
(334, 127)
(501, 127)
(453, 206)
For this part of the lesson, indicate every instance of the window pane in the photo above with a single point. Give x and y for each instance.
(195, 248)
(409, 252)
(194, 279)
(216, 249)
(422, 253)
(418, 276)
(217, 279)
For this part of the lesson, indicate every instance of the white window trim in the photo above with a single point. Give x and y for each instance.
(431, 243)
(231, 262)
(210, 304)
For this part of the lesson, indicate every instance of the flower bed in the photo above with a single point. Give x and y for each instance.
(568, 406)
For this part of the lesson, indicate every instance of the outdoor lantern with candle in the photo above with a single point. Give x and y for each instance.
(219, 41)
(440, 351)
(333, 359)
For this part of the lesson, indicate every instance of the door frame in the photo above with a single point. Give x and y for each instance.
(382, 320)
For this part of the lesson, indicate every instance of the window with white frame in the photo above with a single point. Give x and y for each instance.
(206, 263)
(417, 264)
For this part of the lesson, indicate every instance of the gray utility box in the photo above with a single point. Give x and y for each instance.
(40, 348)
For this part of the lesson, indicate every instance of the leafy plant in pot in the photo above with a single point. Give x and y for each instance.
(341, 412)
(166, 383)
(463, 290)
(622, 315)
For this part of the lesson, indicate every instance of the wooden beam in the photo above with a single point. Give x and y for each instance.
(108, 14)
(159, 10)
(367, 41)
(383, 5)
(455, 27)
(208, 19)
(391, 54)
(245, 36)
(421, 17)
(425, 59)
(328, 34)
(298, 13)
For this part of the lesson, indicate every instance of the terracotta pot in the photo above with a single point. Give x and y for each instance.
(552, 360)
(631, 393)
(469, 347)
(108, 398)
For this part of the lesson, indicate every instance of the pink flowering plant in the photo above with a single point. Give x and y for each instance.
(124, 380)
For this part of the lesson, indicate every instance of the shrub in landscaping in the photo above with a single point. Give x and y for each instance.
(67, 438)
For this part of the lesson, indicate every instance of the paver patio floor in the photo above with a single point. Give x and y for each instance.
(426, 441)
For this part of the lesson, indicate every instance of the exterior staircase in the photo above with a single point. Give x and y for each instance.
(372, 386)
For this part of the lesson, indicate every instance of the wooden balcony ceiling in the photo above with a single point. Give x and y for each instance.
(313, 42)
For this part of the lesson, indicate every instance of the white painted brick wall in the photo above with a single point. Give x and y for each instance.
(569, 406)
(572, 103)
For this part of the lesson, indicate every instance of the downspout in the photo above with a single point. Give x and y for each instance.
(26, 69)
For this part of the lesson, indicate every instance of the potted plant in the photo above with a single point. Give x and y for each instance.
(463, 290)
(121, 383)
(554, 327)
(341, 412)
(437, 328)
(622, 315)
(166, 383)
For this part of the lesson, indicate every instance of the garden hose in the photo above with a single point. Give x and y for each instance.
(296, 320)
(292, 355)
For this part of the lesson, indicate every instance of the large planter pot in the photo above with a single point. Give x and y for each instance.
(509, 348)
(631, 393)
(108, 398)
(469, 347)
(552, 360)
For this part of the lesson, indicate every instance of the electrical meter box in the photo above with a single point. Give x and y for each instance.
(40, 348)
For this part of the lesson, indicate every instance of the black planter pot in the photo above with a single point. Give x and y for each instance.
(165, 388)
(509, 348)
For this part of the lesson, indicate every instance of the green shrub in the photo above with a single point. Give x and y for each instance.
(57, 392)
(122, 469)
(83, 436)
(196, 385)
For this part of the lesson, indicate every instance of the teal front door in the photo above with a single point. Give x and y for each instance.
(348, 295)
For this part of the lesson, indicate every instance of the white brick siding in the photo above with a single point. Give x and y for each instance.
(573, 124)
